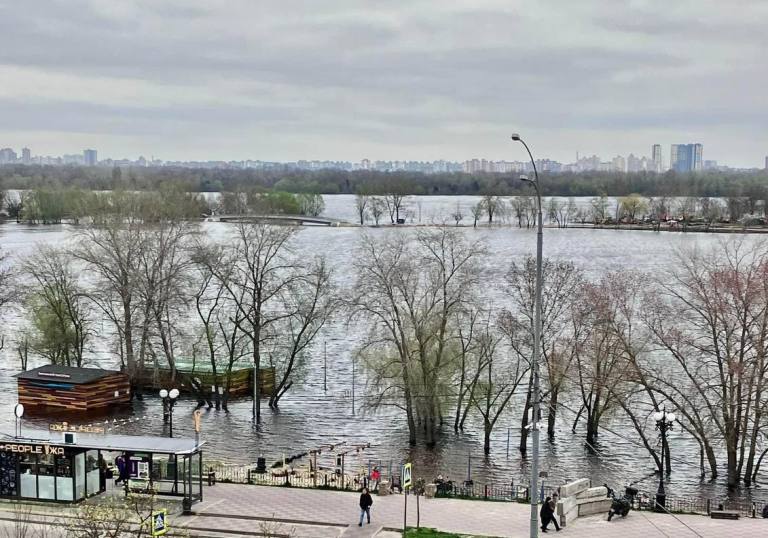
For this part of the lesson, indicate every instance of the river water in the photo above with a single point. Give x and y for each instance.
(310, 417)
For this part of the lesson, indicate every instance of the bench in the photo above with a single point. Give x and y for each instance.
(724, 514)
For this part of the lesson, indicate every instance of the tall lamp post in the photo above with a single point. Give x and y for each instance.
(169, 400)
(664, 423)
(536, 345)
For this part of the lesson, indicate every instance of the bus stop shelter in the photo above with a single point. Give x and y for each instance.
(65, 467)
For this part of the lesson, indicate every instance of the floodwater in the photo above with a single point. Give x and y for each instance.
(310, 416)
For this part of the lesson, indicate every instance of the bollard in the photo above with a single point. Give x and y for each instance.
(709, 506)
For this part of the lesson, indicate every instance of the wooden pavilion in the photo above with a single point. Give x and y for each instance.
(67, 388)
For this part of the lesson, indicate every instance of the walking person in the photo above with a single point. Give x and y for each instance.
(547, 514)
(375, 478)
(365, 506)
(553, 506)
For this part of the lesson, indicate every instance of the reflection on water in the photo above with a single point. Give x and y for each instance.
(310, 417)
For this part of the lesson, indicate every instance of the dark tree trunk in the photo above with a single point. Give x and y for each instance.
(524, 421)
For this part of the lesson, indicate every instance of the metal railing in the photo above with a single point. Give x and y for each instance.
(491, 492)
(327, 479)
(697, 505)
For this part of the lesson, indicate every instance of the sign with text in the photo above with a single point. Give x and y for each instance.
(407, 475)
(67, 427)
(32, 449)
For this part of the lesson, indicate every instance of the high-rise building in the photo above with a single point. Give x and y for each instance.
(90, 157)
(686, 157)
(766, 162)
(7, 156)
(656, 157)
(26, 155)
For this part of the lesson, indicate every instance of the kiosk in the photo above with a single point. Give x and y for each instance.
(65, 467)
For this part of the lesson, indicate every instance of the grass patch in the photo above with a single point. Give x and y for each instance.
(425, 532)
(431, 533)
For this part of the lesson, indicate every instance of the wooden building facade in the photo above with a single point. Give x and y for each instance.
(72, 389)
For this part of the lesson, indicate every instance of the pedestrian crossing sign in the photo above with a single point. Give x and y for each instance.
(159, 523)
(407, 475)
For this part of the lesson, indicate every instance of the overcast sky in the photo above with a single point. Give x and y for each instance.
(384, 79)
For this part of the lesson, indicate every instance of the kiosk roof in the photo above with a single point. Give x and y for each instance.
(65, 374)
(108, 442)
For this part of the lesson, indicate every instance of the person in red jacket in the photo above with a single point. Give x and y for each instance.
(375, 477)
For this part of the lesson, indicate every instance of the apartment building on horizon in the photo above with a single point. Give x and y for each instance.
(686, 157)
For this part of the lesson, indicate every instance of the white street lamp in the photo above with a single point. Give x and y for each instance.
(536, 343)
(169, 400)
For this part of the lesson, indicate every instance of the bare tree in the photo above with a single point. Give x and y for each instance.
(492, 205)
(394, 202)
(477, 210)
(361, 205)
(408, 293)
(163, 288)
(457, 213)
(259, 274)
(308, 304)
(497, 385)
(711, 210)
(471, 362)
(561, 281)
(223, 340)
(601, 366)
(376, 208)
(599, 209)
(555, 209)
(112, 249)
(8, 289)
(59, 307)
(712, 321)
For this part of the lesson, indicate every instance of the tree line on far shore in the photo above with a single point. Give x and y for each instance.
(711, 184)
(52, 205)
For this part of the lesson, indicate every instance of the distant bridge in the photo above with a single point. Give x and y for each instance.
(295, 220)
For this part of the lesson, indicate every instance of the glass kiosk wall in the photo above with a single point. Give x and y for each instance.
(46, 473)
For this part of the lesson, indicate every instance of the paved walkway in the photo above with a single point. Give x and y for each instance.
(338, 511)
(231, 510)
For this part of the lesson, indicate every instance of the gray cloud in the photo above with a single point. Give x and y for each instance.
(383, 79)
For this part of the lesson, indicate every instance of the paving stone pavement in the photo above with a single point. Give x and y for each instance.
(499, 519)
(366, 531)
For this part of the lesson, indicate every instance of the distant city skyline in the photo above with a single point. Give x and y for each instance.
(682, 158)
(666, 159)
(402, 79)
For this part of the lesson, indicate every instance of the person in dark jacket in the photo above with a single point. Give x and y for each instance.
(122, 468)
(547, 514)
(365, 506)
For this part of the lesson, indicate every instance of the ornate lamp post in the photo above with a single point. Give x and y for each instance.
(664, 423)
(169, 400)
(536, 346)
